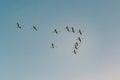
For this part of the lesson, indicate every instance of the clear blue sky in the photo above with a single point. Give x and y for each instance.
(26, 54)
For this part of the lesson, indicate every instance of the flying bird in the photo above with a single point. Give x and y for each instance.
(18, 25)
(79, 39)
(76, 47)
(73, 30)
(34, 28)
(74, 51)
(56, 31)
(67, 28)
(80, 32)
(52, 45)
(76, 43)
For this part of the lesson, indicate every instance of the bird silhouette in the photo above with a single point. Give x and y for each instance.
(73, 30)
(56, 31)
(79, 39)
(18, 25)
(52, 45)
(74, 51)
(67, 28)
(34, 28)
(80, 32)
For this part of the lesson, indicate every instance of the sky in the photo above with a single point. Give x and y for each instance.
(25, 54)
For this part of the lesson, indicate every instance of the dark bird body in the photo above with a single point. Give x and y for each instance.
(52, 46)
(73, 30)
(76, 43)
(55, 30)
(67, 29)
(34, 28)
(79, 39)
(18, 25)
(80, 32)
(74, 51)
(76, 47)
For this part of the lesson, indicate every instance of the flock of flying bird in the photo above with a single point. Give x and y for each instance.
(77, 43)
(68, 29)
(19, 26)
